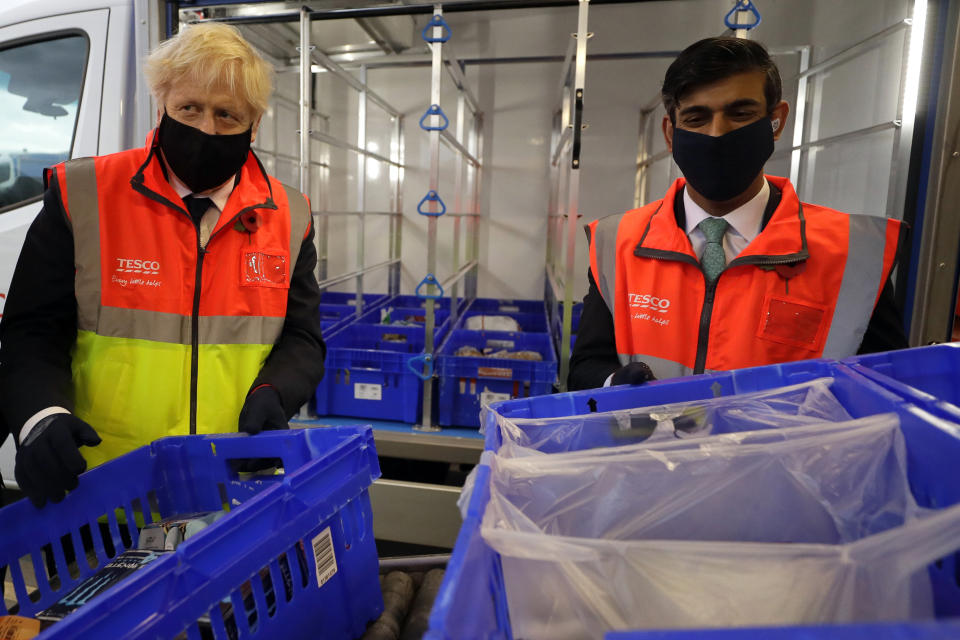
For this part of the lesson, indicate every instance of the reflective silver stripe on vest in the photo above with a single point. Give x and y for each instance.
(299, 221)
(117, 322)
(661, 367)
(81, 179)
(862, 278)
(605, 244)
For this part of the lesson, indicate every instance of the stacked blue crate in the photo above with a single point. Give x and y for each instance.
(925, 376)
(337, 309)
(472, 599)
(269, 557)
(467, 382)
(369, 373)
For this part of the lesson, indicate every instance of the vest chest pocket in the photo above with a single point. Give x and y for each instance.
(265, 268)
(795, 322)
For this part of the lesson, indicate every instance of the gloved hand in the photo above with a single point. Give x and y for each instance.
(49, 461)
(633, 373)
(263, 411)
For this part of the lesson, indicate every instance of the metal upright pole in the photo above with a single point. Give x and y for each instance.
(573, 202)
(471, 288)
(396, 154)
(435, 79)
(361, 185)
(305, 74)
(799, 119)
(457, 206)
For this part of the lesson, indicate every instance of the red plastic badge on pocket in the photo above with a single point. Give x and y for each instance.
(795, 322)
(264, 269)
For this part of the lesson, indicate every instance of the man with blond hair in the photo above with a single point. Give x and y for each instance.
(166, 290)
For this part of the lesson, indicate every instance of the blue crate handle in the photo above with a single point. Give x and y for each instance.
(436, 21)
(434, 110)
(429, 279)
(742, 5)
(424, 359)
(431, 196)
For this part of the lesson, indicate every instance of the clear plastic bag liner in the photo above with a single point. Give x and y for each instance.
(809, 524)
(807, 403)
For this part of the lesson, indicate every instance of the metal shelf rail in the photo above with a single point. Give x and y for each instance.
(565, 193)
(435, 122)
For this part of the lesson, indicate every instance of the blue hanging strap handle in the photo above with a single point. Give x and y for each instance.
(436, 21)
(432, 196)
(434, 110)
(417, 364)
(428, 280)
(742, 5)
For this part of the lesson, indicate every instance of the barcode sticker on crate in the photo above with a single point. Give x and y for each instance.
(494, 372)
(489, 397)
(323, 556)
(509, 308)
(501, 344)
(367, 391)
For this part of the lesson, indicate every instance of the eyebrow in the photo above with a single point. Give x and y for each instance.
(736, 104)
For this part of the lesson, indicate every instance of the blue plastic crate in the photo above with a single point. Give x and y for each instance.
(926, 376)
(472, 598)
(402, 314)
(343, 297)
(504, 306)
(367, 375)
(528, 322)
(467, 382)
(415, 301)
(274, 521)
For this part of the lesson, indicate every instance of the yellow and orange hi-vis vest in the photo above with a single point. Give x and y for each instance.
(170, 334)
(805, 287)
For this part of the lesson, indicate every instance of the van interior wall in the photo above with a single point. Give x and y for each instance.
(518, 101)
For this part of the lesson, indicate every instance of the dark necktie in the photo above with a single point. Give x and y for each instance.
(713, 259)
(197, 206)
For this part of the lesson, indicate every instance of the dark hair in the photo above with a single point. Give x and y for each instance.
(713, 59)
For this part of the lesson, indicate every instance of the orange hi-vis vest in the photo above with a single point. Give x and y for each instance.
(805, 287)
(171, 335)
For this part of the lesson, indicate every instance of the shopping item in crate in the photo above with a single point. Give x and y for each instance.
(308, 530)
(805, 403)
(810, 524)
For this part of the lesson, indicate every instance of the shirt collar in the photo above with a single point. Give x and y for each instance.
(745, 220)
(218, 197)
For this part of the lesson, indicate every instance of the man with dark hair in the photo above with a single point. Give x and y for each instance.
(730, 269)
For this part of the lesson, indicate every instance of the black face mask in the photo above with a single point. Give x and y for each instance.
(202, 161)
(722, 167)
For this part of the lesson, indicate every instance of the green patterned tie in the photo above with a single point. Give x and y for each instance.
(713, 259)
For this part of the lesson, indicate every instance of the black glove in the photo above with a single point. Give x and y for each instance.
(263, 411)
(633, 373)
(49, 461)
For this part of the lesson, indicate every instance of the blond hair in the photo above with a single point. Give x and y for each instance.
(211, 55)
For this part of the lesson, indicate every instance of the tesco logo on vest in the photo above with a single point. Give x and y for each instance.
(647, 301)
(130, 265)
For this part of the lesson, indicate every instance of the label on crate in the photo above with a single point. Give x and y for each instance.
(509, 308)
(367, 391)
(501, 344)
(494, 372)
(489, 397)
(324, 559)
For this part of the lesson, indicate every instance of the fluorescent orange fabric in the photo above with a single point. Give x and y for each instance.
(759, 313)
(155, 356)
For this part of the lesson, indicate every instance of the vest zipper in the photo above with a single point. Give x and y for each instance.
(703, 336)
(195, 335)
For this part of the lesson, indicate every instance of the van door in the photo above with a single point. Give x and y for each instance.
(51, 81)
